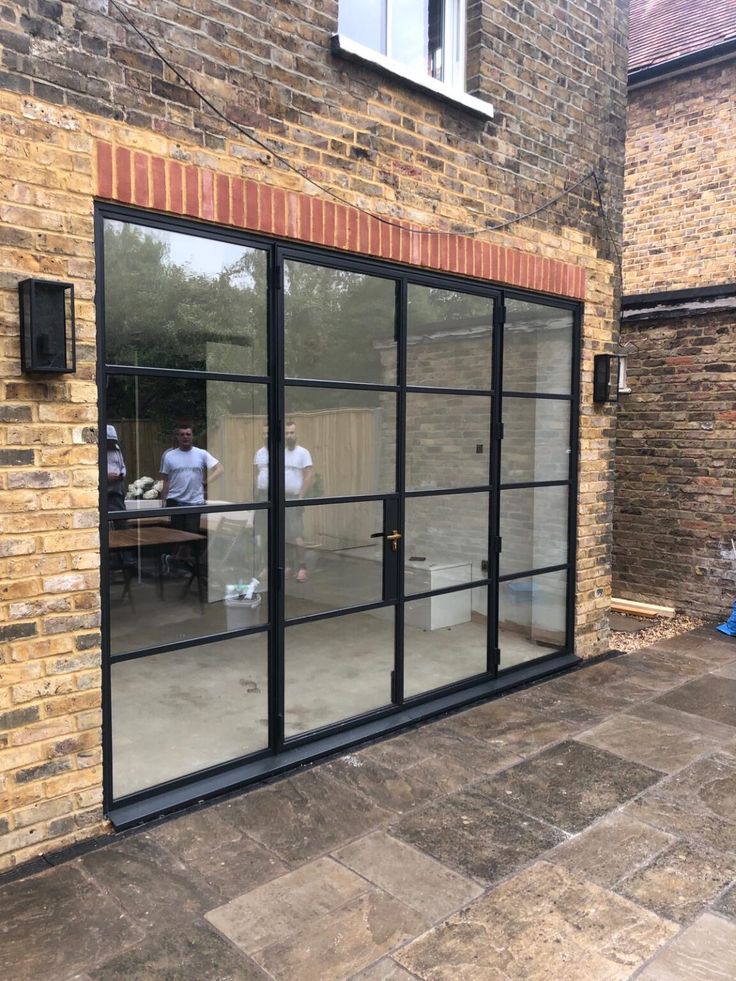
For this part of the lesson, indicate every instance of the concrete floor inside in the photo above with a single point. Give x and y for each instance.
(180, 711)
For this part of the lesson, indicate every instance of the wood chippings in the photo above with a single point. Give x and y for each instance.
(660, 628)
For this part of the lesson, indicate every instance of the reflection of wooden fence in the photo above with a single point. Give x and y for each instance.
(344, 444)
(142, 444)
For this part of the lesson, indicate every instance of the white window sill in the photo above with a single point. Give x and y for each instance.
(344, 47)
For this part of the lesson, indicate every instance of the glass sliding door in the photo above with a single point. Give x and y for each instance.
(536, 479)
(448, 453)
(332, 491)
(186, 399)
(339, 494)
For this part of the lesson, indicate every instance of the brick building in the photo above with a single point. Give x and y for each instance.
(327, 239)
(674, 514)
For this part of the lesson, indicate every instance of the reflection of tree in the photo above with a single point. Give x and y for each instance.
(160, 314)
(339, 325)
(335, 323)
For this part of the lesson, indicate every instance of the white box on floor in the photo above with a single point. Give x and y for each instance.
(434, 612)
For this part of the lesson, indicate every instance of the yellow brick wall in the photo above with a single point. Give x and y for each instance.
(50, 697)
(680, 192)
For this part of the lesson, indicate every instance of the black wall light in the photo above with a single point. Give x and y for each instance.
(47, 339)
(606, 371)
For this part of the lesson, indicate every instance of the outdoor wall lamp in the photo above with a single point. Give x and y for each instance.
(606, 376)
(47, 338)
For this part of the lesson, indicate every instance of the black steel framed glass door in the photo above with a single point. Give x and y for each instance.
(336, 495)
(449, 437)
(338, 484)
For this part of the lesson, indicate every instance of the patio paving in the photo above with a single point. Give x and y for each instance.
(583, 829)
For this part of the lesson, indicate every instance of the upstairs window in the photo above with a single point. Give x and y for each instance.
(427, 37)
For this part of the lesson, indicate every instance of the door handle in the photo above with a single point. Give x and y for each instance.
(394, 538)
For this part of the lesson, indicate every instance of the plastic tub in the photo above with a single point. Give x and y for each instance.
(242, 613)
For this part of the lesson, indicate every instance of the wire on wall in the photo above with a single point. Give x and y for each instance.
(284, 161)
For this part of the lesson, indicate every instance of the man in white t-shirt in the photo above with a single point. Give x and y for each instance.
(298, 478)
(186, 470)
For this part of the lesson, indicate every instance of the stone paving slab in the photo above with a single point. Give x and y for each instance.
(225, 858)
(653, 743)
(706, 951)
(582, 829)
(707, 728)
(338, 945)
(713, 698)
(58, 923)
(680, 881)
(570, 785)
(144, 879)
(283, 907)
(393, 790)
(194, 954)
(305, 815)
(384, 970)
(542, 923)
(474, 834)
(409, 875)
(611, 849)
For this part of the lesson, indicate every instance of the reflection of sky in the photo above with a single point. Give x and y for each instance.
(365, 22)
(409, 33)
(200, 256)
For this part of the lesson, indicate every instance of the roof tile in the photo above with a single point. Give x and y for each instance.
(663, 30)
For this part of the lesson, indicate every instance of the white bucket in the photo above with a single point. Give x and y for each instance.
(242, 613)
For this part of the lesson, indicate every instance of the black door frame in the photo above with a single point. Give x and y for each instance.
(283, 755)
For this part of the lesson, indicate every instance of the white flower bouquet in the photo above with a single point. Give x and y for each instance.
(144, 489)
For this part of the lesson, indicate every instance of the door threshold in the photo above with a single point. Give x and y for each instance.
(238, 777)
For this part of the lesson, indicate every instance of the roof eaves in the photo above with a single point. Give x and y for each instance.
(685, 63)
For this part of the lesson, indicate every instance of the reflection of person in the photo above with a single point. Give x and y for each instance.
(186, 471)
(298, 478)
(260, 520)
(115, 472)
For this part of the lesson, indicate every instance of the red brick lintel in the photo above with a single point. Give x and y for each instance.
(133, 177)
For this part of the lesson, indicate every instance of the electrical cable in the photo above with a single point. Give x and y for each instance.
(604, 213)
(333, 194)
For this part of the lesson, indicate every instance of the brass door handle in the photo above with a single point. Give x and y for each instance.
(394, 538)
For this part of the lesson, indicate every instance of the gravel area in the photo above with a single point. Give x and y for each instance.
(658, 629)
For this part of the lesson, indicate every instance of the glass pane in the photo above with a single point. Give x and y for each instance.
(337, 668)
(533, 528)
(536, 440)
(204, 434)
(173, 579)
(181, 301)
(331, 560)
(448, 441)
(531, 618)
(449, 338)
(444, 639)
(350, 436)
(537, 348)
(365, 22)
(416, 33)
(180, 712)
(338, 325)
(445, 541)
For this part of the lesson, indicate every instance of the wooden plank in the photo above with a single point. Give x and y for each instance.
(640, 609)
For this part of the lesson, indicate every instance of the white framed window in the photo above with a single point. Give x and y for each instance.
(425, 37)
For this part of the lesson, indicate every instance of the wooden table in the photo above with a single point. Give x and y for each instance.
(158, 537)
